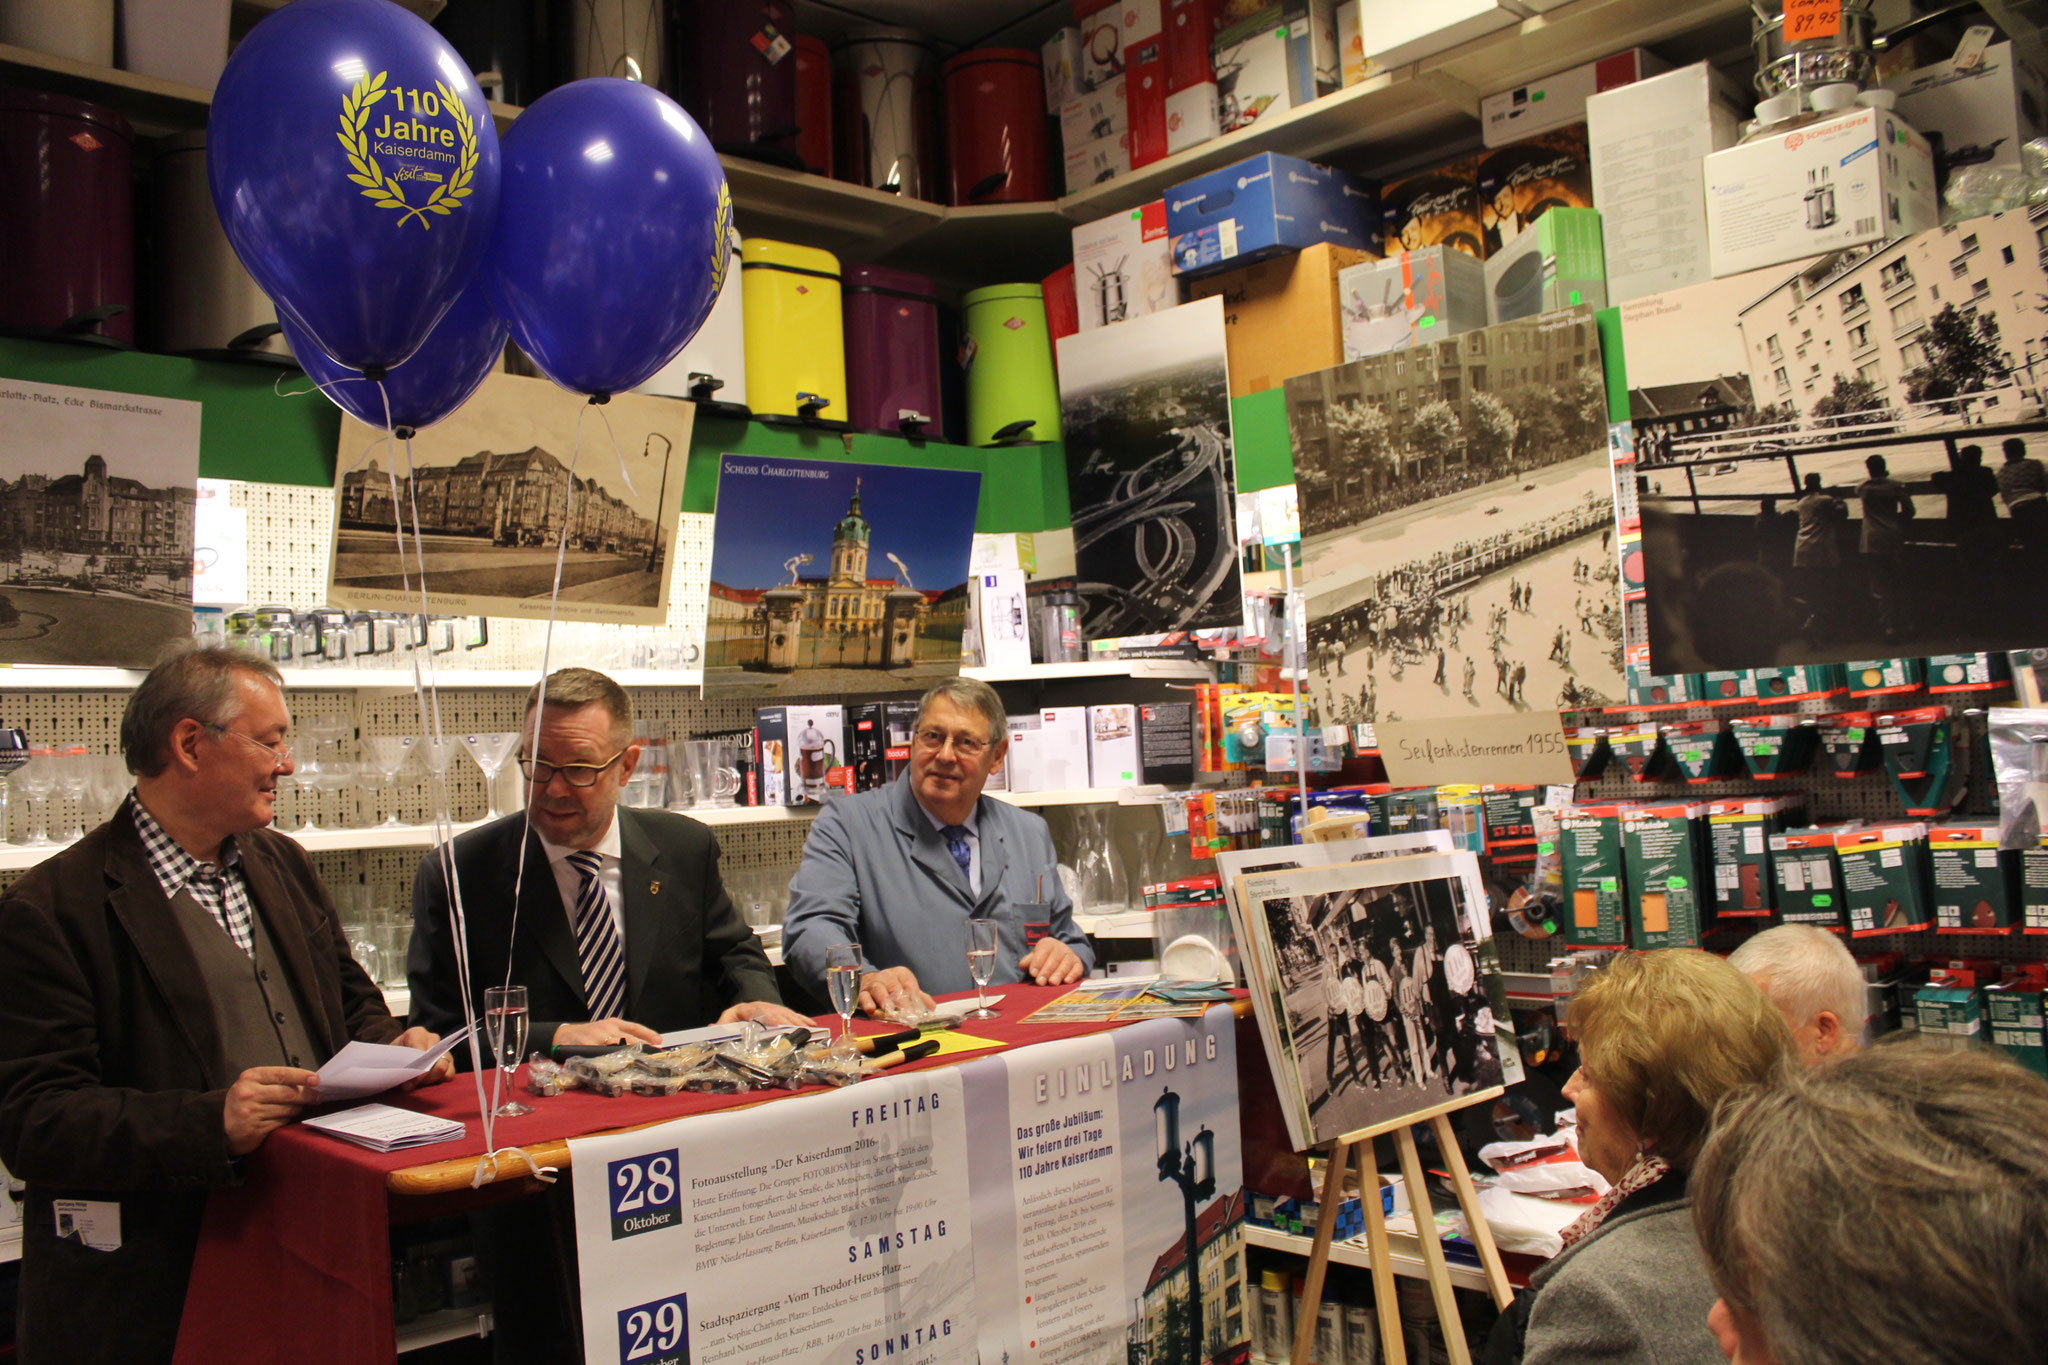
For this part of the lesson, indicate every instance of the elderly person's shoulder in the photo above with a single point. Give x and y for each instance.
(1636, 1290)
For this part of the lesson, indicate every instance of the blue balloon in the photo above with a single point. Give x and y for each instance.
(354, 165)
(431, 384)
(611, 239)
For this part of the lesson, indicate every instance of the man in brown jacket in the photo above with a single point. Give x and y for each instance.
(168, 987)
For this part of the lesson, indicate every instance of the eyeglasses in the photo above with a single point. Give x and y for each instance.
(575, 774)
(280, 752)
(932, 740)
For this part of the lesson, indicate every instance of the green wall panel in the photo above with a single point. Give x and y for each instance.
(1258, 432)
(1614, 362)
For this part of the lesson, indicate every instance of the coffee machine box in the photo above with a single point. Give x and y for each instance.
(771, 749)
(878, 738)
(1113, 745)
(1557, 262)
(817, 757)
(1862, 178)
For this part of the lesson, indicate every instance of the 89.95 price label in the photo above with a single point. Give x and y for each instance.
(645, 1194)
(656, 1333)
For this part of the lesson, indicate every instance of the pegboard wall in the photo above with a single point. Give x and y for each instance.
(291, 539)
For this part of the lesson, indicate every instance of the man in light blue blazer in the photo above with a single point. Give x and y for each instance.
(902, 868)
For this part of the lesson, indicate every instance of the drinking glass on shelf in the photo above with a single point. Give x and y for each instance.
(305, 795)
(389, 753)
(490, 752)
(505, 1023)
(335, 779)
(981, 965)
(109, 785)
(437, 756)
(842, 979)
(74, 779)
(37, 778)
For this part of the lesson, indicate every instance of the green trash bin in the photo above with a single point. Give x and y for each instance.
(1009, 366)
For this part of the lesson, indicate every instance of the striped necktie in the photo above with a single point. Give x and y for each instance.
(598, 948)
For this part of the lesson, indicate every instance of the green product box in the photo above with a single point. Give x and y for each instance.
(1739, 833)
(1950, 1011)
(1950, 673)
(1774, 746)
(1640, 749)
(1799, 682)
(1589, 750)
(1649, 690)
(1589, 855)
(1459, 811)
(1510, 814)
(1559, 261)
(1728, 685)
(2018, 1025)
(1976, 883)
(1411, 809)
(2034, 888)
(1886, 886)
(1703, 750)
(1806, 877)
(1663, 864)
(1885, 677)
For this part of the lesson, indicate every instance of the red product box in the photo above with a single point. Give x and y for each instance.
(1145, 98)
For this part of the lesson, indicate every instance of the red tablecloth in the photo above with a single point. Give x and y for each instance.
(294, 1264)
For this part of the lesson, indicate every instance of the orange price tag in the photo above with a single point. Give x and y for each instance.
(1806, 19)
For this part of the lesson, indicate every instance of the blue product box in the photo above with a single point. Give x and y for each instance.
(1264, 206)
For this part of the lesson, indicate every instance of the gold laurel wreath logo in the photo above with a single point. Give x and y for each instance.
(721, 233)
(390, 194)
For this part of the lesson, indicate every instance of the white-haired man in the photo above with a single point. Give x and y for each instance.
(1808, 974)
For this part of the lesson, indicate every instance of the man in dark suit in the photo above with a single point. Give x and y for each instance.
(622, 930)
(168, 986)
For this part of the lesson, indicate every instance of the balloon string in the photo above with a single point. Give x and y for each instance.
(277, 389)
(458, 918)
(624, 473)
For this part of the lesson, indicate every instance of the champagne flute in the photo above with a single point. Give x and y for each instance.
(981, 965)
(505, 1021)
(842, 978)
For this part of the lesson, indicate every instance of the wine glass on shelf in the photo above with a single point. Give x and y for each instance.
(842, 978)
(37, 779)
(304, 781)
(389, 753)
(505, 1022)
(490, 752)
(981, 965)
(436, 756)
(109, 784)
(74, 779)
(335, 779)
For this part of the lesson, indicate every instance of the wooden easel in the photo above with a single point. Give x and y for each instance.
(1393, 1351)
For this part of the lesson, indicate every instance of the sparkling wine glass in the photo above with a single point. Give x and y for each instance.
(842, 978)
(981, 965)
(74, 779)
(335, 779)
(389, 753)
(305, 794)
(505, 1022)
(109, 785)
(490, 752)
(436, 756)
(37, 778)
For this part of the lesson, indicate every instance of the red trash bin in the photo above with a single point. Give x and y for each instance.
(996, 149)
(67, 236)
(814, 104)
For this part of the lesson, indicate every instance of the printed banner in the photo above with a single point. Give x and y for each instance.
(828, 1228)
(840, 1227)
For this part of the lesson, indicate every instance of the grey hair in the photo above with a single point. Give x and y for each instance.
(192, 683)
(970, 694)
(1892, 1206)
(1805, 970)
(571, 689)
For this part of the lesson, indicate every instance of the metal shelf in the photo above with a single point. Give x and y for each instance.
(1404, 1251)
(1104, 668)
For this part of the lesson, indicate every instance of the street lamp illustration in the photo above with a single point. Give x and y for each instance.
(1193, 1168)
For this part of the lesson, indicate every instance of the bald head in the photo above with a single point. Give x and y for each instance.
(1816, 985)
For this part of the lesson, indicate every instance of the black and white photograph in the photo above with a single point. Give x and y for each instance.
(1381, 989)
(96, 524)
(836, 576)
(1146, 410)
(506, 493)
(1457, 526)
(1843, 458)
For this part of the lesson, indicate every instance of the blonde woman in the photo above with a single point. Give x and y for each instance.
(1663, 1037)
